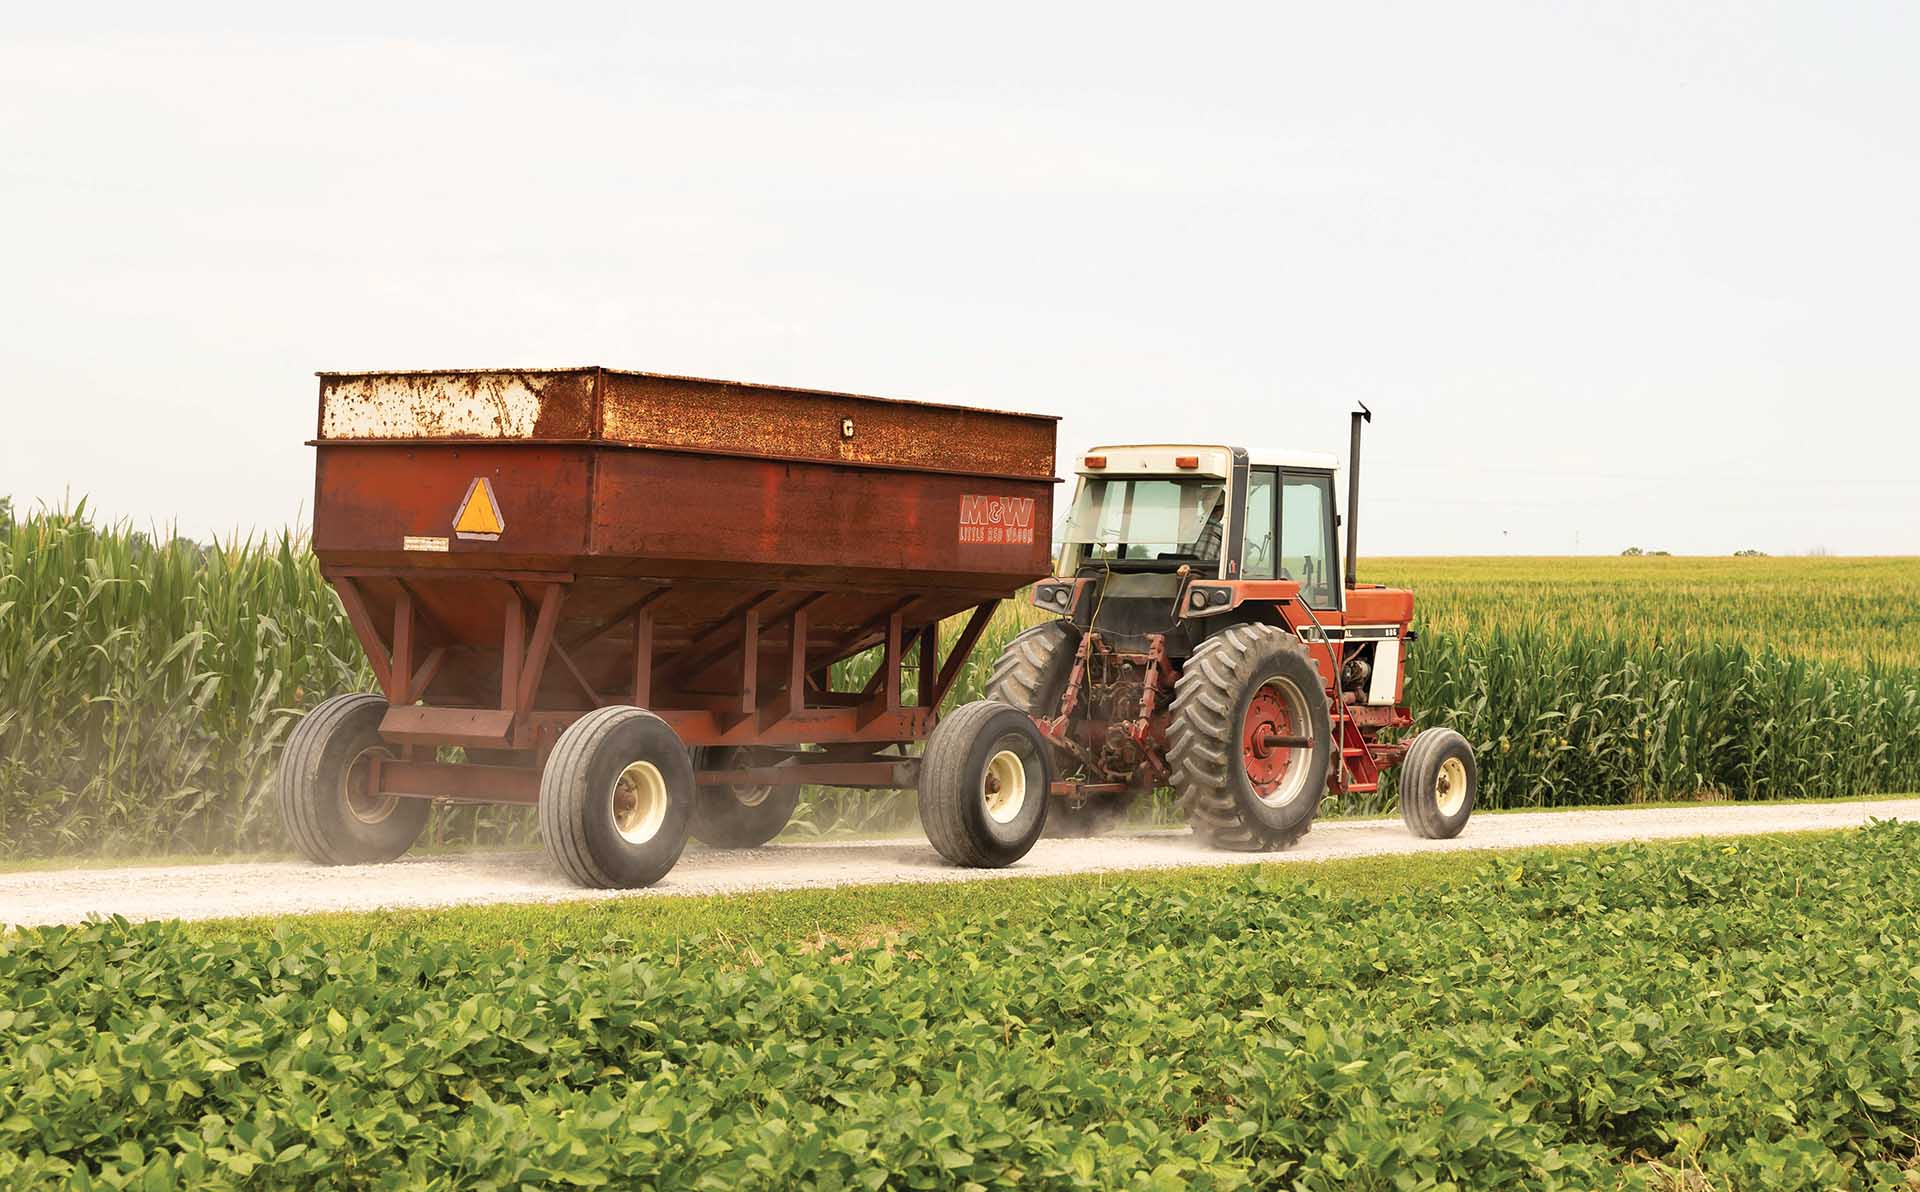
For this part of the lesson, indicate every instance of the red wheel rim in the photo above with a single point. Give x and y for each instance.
(1276, 710)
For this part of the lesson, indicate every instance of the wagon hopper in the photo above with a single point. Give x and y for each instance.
(620, 596)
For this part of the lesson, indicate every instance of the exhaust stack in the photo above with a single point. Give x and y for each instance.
(1353, 495)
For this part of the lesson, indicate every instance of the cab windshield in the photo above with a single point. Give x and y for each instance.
(1149, 518)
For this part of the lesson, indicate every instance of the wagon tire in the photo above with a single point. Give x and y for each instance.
(738, 816)
(1242, 685)
(1438, 783)
(616, 799)
(984, 783)
(324, 803)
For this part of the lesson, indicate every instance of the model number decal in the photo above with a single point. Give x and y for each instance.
(996, 521)
(1349, 633)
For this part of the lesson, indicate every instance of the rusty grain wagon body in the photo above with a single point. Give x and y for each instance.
(520, 549)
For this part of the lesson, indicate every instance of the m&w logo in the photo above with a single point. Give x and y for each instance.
(996, 521)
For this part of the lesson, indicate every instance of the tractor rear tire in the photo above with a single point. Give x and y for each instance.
(1244, 684)
(985, 779)
(1438, 782)
(323, 776)
(738, 816)
(616, 799)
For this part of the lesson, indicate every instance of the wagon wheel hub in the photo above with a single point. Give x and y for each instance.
(1003, 788)
(640, 802)
(363, 802)
(1450, 787)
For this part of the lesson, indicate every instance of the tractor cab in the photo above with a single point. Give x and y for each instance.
(1147, 520)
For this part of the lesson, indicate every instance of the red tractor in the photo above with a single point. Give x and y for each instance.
(1204, 641)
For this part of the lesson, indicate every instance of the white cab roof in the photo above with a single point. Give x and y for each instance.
(1275, 457)
(1146, 454)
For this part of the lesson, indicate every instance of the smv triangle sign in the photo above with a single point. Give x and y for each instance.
(479, 515)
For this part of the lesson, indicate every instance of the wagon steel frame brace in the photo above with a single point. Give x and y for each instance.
(803, 709)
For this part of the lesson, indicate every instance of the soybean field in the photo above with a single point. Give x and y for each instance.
(1696, 1015)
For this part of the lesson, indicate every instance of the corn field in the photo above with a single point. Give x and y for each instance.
(1857, 613)
(1620, 680)
(147, 682)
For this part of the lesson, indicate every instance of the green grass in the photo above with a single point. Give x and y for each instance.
(1707, 1014)
(133, 861)
(772, 918)
(775, 917)
(149, 860)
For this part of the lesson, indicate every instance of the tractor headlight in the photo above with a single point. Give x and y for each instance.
(1053, 596)
(1208, 599)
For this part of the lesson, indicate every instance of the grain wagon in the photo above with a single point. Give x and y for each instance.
(621, 597)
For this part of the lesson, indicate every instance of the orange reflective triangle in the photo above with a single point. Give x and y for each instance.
(479, 514)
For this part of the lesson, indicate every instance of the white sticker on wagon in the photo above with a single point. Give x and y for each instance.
(416, 542)
(479, 514)
(996, 521)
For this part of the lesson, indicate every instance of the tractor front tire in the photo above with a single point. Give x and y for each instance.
(616, 799)
(1438, 782)
(324, 800)
(1032, 670)
(984, 785)
(738, 816)
(1243, 685)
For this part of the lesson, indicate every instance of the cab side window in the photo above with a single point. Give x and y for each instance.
(1306, 537)
(1258, 542)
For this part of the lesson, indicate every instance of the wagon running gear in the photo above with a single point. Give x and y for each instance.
(984, 785)
(326, 779)
(738, 816)
(616, 798)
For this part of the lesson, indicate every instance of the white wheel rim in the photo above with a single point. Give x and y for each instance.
(738, 759)
(364, 807)
(751, 796)
(1450, 787)
(1003, 788)
(639, 803)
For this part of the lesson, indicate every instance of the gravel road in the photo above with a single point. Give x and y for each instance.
(287, 887)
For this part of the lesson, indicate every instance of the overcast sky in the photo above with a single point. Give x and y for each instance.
(1608, 275)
